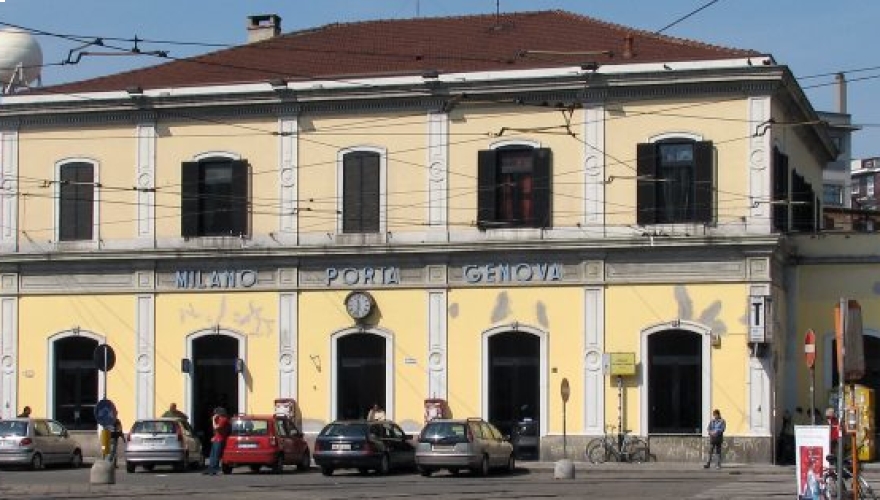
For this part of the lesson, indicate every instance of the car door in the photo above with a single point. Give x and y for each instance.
(406, 451)
(492, 444)
(44, 442)
(297, 441)
(64, 444)
(500, 449)
(285, 443)
(193, 445)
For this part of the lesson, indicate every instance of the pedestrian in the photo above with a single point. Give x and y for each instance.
(25, 412)
(376, 413)
(173, 412)
(834, 427)
(115, 435)
(716, 429)
(220, 424)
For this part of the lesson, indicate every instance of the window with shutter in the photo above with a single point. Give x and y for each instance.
(361, 192)
(76, 200)
(215, 195)
(514, 187)
(675, 182)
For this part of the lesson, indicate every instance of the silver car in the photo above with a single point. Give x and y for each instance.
(463, 444)
(162, 441)
(36, 442)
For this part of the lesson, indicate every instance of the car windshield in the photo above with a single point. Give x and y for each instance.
(13, 428)
(153, 427)
(452, 432)
(250, 427)
(341, 429)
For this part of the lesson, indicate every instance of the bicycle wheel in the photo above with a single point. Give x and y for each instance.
(638, 452)
(865, 490)
(829, 480)
(596, 452)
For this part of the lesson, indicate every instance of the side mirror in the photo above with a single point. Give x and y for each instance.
(408, 437)
(64, 433)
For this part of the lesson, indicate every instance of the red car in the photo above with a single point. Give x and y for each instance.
(265, 440)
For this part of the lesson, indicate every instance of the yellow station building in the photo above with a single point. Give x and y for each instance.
(470, 209)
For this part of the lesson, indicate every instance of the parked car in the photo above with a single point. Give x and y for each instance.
(463, 444)
(364, 445)
(162, 441)
(265, 440)
(36, 442)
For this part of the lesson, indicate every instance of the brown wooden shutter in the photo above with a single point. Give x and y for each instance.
(240, 196)
(370, 194)
(704, 179)
(487, 161)
(780, 191)
(189, 199)
(542, 172)
(646, 185)
(351, 196)
(76, 202)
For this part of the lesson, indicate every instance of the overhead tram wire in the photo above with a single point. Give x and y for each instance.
(686, 16)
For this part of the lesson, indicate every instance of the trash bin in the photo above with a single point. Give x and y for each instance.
(526, 445)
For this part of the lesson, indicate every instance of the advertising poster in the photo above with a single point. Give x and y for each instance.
(811, 446)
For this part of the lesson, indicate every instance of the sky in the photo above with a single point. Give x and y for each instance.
(815, 38)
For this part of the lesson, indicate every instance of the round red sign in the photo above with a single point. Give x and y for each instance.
(810, 348)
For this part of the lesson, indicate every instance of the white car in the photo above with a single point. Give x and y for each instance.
(36, 442)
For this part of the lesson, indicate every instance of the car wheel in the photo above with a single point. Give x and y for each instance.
(255, 468)
(198, 463)
(384, 466)
(149, 467)
(363, 471)
(227, 469)
(37, 462)
(425, 471)
(483, 470)
(511, 464)
(306, 462)
(76, 460)
(454, 471)
(129, 467)
(278, 466)
(327, 471)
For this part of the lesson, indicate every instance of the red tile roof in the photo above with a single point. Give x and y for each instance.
(524, 40)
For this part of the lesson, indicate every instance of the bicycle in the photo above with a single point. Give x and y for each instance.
(621, 446)
(830, 483)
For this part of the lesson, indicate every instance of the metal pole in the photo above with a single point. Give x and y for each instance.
(813, 395)
(564, 433)
(620, 416)
(840, 397)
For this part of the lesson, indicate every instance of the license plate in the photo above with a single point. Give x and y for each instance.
(153, 441)
(6, 444)
(341, 446)
(438, 447)
(247, 445)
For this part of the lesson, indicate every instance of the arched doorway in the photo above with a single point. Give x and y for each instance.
(675, 382)
(214, 379)
(361, 374)
(75, 381)
(514, 380)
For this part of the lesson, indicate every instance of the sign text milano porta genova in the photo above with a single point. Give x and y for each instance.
(472, 273)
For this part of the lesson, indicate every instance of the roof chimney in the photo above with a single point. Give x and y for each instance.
(628, 42)
(841, 92)
(263, 27)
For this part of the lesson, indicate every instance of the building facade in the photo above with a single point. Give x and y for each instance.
(465, 211)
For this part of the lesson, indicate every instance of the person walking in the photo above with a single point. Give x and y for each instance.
(173, 412)
(716, 429)
(221, 425)
(834, 429)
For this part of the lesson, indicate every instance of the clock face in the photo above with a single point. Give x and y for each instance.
(359, 305)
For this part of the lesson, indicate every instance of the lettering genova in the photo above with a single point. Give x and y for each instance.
(512, 273)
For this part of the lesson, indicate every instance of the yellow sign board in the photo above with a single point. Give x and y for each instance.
(622, 363)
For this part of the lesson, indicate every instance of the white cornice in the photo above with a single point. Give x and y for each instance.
(360, 84)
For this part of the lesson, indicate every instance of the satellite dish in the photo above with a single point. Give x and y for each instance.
(21, 58)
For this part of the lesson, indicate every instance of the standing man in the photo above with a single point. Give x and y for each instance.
(173, 412)
(716, 429)
(221, 425)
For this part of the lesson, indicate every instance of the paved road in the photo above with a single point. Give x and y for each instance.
(534, 481)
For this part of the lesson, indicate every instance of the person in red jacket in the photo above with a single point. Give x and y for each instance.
(834, 423)
(222, 427)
